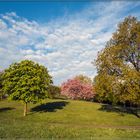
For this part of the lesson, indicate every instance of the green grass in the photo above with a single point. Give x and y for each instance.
(66, 119)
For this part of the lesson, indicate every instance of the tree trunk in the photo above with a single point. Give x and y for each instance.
(124, 106)
(25, 109)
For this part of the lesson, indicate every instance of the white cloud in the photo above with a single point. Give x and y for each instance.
(66, 46)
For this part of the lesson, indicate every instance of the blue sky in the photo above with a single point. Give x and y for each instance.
(63, 36)
(43, 11)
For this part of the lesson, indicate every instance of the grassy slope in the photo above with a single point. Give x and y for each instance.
(65, 119)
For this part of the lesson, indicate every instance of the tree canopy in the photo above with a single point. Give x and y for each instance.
(83, 79)
(118, 64)
(78, 88)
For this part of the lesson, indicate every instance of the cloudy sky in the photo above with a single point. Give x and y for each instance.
(63, 36)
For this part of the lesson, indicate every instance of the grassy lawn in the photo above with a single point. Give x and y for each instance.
(66, 119)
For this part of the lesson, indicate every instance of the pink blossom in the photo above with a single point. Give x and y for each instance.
(75, 89)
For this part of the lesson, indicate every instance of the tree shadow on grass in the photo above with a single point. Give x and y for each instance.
(6, 109)
(120, 110)
(50, 107)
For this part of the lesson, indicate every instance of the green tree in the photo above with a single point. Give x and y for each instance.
(83, 79)
(54, 91)
(26, 81)
(118, 64)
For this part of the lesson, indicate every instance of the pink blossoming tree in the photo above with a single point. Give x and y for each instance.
(76, 89)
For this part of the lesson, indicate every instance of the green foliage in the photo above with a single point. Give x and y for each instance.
(54, 91)
(26, 81)
(83, 79)
(118, 65)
